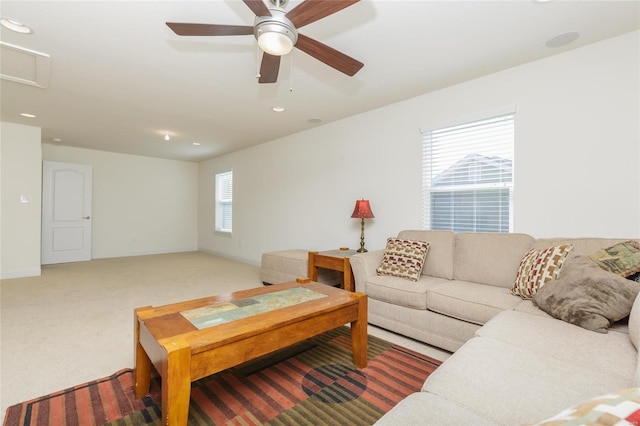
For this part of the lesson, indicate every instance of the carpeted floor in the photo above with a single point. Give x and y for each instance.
(75, 322)
(313, 383)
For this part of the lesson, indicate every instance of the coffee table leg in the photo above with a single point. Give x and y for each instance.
(359, 334)
(176, 384)
(142, 369)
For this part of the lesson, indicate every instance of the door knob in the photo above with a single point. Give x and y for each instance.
(87, 217)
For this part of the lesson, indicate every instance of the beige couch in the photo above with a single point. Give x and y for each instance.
(513, 363)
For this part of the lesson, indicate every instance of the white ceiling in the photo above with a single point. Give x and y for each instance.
(119, 79)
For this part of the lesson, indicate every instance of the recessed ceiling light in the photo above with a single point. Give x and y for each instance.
(167, 137)
(315, 120)
(563, 39)
(57, 140)
(278, 109)
(17, 26)
(196, 143)
(26, 114)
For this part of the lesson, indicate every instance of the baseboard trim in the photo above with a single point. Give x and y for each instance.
(21, 273)
(227, 256)
(141, 253)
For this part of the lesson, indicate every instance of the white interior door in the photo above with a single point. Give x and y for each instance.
(66, 212)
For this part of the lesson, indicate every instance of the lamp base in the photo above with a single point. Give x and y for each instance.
(361, 249)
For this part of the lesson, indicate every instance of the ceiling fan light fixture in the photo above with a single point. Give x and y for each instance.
(274, 43)
(276, 34)
(276, 39)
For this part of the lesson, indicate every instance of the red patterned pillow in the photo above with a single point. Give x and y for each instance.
(538, 267)
(403, 258)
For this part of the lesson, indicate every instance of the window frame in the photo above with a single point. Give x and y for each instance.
(223, 198)
(439, 143)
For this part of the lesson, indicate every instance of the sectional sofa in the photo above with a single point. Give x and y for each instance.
(513, 363)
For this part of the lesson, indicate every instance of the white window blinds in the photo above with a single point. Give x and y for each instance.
(467, 176)
(224, 201)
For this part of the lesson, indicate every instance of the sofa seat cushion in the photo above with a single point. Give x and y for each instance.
(424, 408)
(612, 353)
(472, 302)
(529, 307)
(421, 324)
(512, 385)
(398, 291)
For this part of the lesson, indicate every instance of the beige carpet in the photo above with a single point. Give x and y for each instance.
(75, 322)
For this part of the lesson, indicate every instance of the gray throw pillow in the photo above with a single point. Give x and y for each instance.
(587, 295)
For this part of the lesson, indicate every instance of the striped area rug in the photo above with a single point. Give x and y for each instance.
(314, 383)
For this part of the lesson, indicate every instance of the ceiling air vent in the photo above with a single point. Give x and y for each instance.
(24, 65)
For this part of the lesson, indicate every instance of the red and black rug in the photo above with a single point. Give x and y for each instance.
(312, 383)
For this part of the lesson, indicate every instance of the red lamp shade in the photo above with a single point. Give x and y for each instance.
(362, 210)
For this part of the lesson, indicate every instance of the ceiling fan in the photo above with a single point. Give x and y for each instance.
(277, 33)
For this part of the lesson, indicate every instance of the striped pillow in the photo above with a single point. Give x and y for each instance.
(538, 267)
(403, 258)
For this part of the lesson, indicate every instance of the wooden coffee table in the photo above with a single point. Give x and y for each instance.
(184, 350)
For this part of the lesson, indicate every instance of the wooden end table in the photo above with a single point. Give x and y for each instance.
(184, 350)
(336, 260)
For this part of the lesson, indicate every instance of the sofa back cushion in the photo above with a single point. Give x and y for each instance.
(439, 261)
(581, 246)
(490, 258)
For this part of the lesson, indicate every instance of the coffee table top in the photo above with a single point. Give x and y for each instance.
(220, 313)
(169, 323)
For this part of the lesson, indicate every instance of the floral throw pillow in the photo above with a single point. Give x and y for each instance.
(537, 267)
(622, 259)
(403, 258)
(618, 408)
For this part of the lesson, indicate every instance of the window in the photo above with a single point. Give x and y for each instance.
(224, 201)
(467, 176)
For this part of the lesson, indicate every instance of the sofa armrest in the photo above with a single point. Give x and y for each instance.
(363, 266)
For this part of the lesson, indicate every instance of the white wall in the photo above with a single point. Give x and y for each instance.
(141, 205)
(576, 160)
(20, 174)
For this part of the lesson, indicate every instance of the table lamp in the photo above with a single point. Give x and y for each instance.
(362, 211)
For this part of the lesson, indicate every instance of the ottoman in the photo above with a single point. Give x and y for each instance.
(287, 265)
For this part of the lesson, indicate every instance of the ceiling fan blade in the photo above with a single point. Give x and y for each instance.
(328, 55)
(258, 7)
(269, 68)
(184, 29)
(312, 10)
